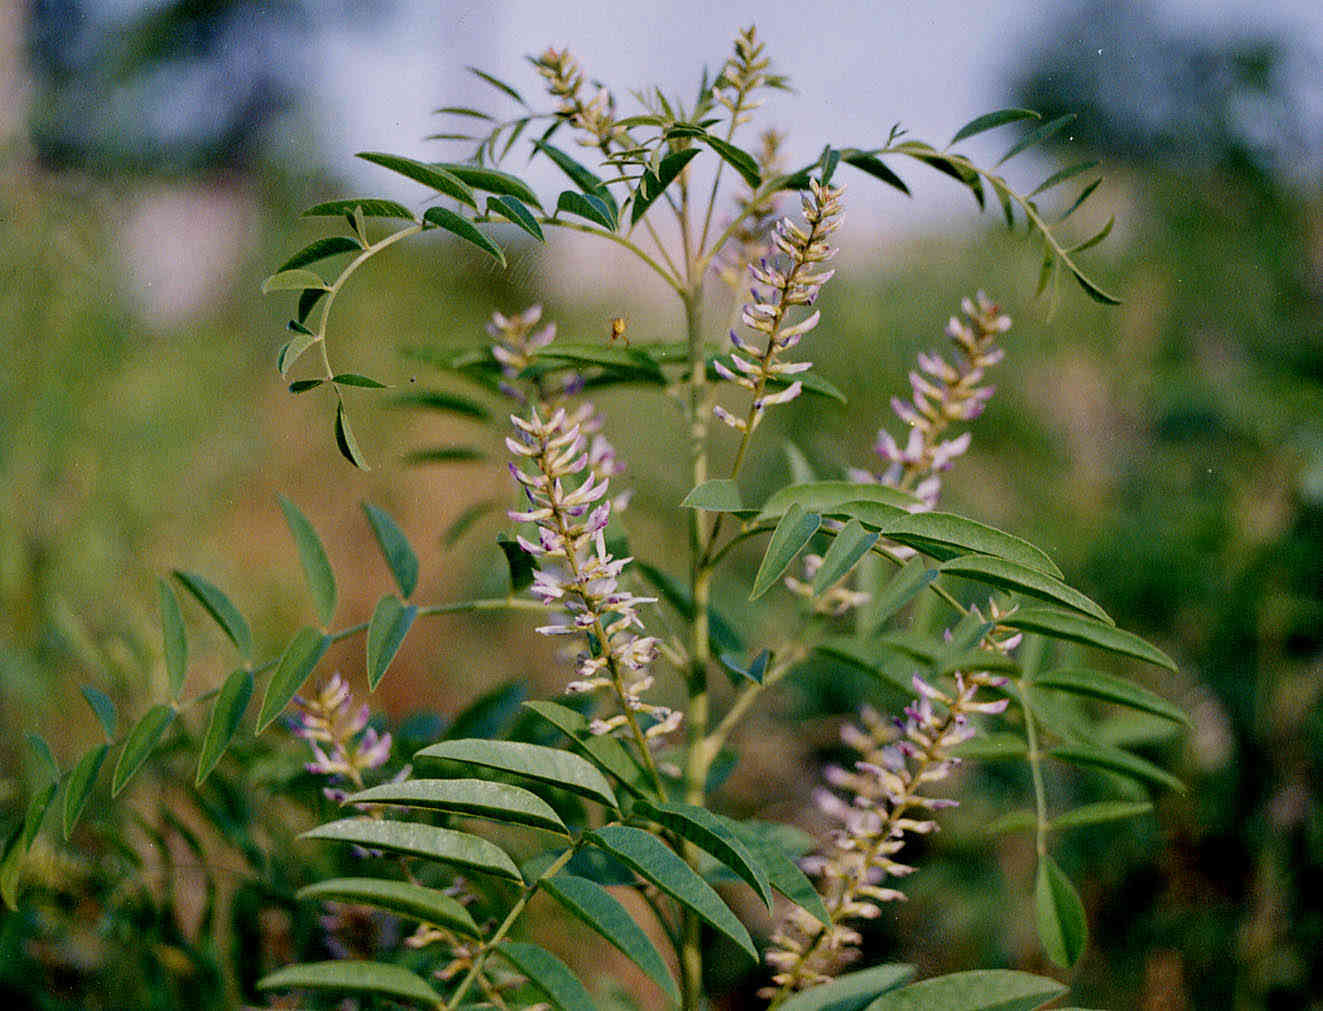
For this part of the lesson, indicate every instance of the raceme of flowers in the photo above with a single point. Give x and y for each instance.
(755, 216)
(787, 280)
(343, 745)
(564, 80)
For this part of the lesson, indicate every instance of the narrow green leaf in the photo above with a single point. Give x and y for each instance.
(1006, 199)
(549, 974)
(226, 715)
(653, 861)
(429, 175)
(1014, 576)
(294, 350)
(604, 751)
(1095, 238)
(418, 840)
(1011, 822)
(850, 545)
(1108, 688)
(144, 736)
(353, 976)
(79, 788)
(462, 110)
(36, 814)
(354, 379)
(175, 639)
(395, 548)
(491, 180)
(992, 120)
(477, 798)
(782, 872)
(1090, 288)
(587, 206)
(344, 439)
(103, 707)
(792, 533)
(312, 555)
(720, 495)
(443, 401)
(320, 250)
(516, 213)
(1062, 926)
(1038, 135)
(43, 751)
(874, 167)
(828, 497)
(531, 761)
(903, 587)
(1056, 178)
(391, 621)
(1121, 762)
(599, 909)
(852, 990)
(371, 208)
(755, 671)
(1079, 201)
(980, 990)
(444, 454)
(457, 224)
(520, 563)
(1059, 625)
(712, 833)
(1100, 812)
(304, 385)
(864, 656)
(975, 659)
(498, 84)
(1046, 269)
(998, 747)
(653, 185)
(11, 867)
(299, 660)
(741, 161)
(580, 176)
(293, 280)
(946, 535)
(216, 604)
(403, 898)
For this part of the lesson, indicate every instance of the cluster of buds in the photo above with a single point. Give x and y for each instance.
(567, 502)
(790, 280)
(882, 799)
(755, 217)
(943, 393)
(343, 745)
(744, 73)
(564, 79)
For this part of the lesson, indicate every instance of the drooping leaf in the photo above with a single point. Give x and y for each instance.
(418, 840)
(1037, 135)
(980, 990)
(580, 176)
(792, 533)
(587, 206)
(850, 545)
(174, 637)
(403, 898)
(312, 555)
(1060, 625)
(903, 587)
(491, 180)
(371, 208)
(457, 224)
(498, 84)
(1056, 178)
(226, 715)
(992, 120)
(599, 909)
(1100, 812)
(379, 979)
(79, 788)
(391, 621)
(445, 402)
(429, 175)
(946, 535)
(1022, 579)
(741, 161)
(1108, 688)
(345, 440)
(1095, 238)
(653, 861)
(293, 280)
(549, 974)
(222, 611)
(1120, 762)
(1062, 926)
(604, 751)
(319, 250)
(531, 761)
(517, 214)
(827, 497)
(1084, 195)
(294, 350)
(712, 833)
(653, 185)
(1090, 288)
(851, 991)
(300, 658)
(716, 495)
(103, 707)
(138, 745)
(395, 548)
(521, 564)
(477, 798)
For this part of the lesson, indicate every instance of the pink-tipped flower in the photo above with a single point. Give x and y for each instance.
(343, 745)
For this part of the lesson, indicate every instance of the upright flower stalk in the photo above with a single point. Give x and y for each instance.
(343, 745)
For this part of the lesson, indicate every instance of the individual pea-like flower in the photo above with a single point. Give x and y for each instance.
(942, 394)
(343, 745)
(878, 802)
(787, 277)
(568, 505)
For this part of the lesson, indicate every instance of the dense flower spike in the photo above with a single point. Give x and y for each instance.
(756, 218)
(596, 117)
(943, 393)
(745, 72)
(885, 799)
(787, 280)
(343, 745)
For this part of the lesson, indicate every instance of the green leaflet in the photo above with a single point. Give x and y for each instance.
(1062, 926)
(79, 788)
(226, 715)
(1059, 625)
(224, 613)
(600, 910)
(43, 751)
(712, 833)
(345, 440)
(521, 563)
(848, 546)
(1020, 578)
(980, 990)
(741, 161)
(581, 177)
(850, 991)
(653, 185)
(491, 180)
(604, 751)
(652, 860)
(827, 496)
(946, 535)
(717, 495)
(477, 798)
(360, 381)
(429, 175)
(783, 873)
(549, 974)
(587, 206)
(531, 761)
(457, 224)
(791, 535)
(444, 401)
(1102, 811)
(419, 840)
(371, 208)
(174, 638)
(312, 555)
(391, 621)
(321, 249)
(395, 548)
(402, 898)
(103, 708)
(992, 120)
(1109, 688)
(1037, 135)
(293, 280)
(351, 976)
(517, 214)
(903, 587)
(144, 736)
(872, 166)
(301, 656)
(1115, 760)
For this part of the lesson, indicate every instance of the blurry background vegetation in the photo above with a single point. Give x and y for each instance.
(1169, 453)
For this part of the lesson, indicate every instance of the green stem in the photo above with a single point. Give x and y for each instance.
(619, 240)
(1036, 770)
